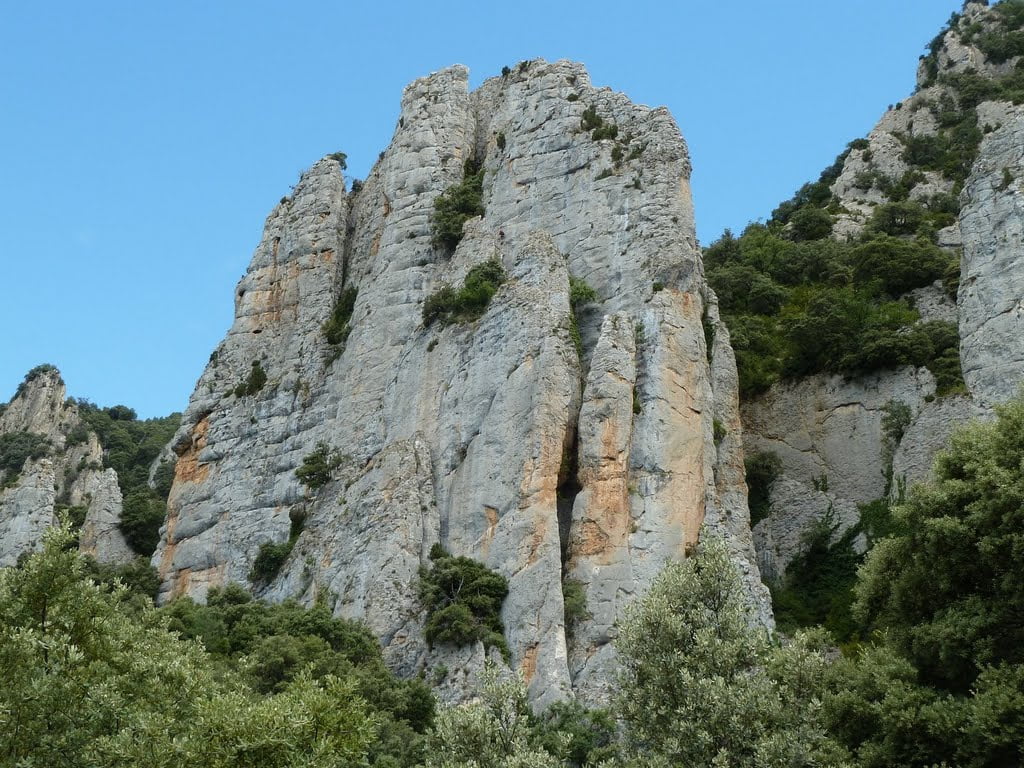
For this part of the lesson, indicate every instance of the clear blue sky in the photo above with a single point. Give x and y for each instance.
(142, 143)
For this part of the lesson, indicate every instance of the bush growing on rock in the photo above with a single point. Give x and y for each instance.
(254, 381)
(446, 305)
(463, 601)
(456, 205)
(336, 329)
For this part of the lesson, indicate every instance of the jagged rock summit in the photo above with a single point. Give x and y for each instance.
(500, 438)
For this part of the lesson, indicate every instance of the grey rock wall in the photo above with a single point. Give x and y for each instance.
(493, 438)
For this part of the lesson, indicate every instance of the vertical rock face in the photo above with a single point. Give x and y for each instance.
(68, 473)
(494, 438)
(991, 299)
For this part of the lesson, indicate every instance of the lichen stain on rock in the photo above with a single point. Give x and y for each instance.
(188, 468)
(528, 666)
(492, 523)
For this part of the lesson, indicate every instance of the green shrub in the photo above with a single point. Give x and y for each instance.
(317, 467)
(718, 431)
(762, 469)
(254, 382)
(447, 305)
(336, 329)
(580, 294)
(463, 601)
(574, 603)
(456, 205)
(599, 129)
(138, 576)
(606, 131)
(163, 478)
(945, 587)
(500, 140)
(341, 158)
(269, 560)
(591, 121)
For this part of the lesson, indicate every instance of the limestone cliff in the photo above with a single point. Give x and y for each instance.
(496, 437)
(828, 430)
(63, 471)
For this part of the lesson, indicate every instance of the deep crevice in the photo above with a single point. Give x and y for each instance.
(568, 488)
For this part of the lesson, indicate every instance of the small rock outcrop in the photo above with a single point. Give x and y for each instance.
(548, 441)
(54, 463)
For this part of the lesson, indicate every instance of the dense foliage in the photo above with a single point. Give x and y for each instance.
(92, 679)
(702, 687)
(817, 588)
(580, 294)
(463, 600)
(246, 683)
(761, 469)
(948, 587)
(447, 305)
(799, 302)
(453, 207)
(130, 446)
(799, 307)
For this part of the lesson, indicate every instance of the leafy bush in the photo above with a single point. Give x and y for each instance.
(269, 560)
(336, 329)
(470, 302)
(163, 701)
(254, 382)
(811, 224)
(463, 600)
(456, 205)
(702, 687)
(898, 265)
(272, 556)
(140, 578)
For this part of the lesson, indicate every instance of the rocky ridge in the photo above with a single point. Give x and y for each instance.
(831, 427)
